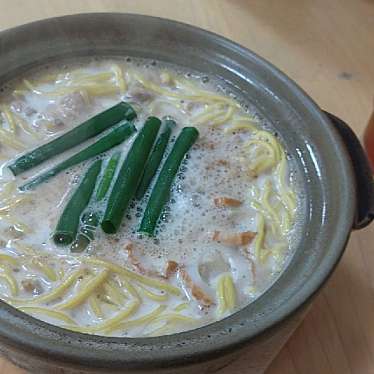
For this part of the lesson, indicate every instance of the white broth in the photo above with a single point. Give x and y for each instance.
(224, 237)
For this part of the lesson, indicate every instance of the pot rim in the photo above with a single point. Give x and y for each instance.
(40, 338)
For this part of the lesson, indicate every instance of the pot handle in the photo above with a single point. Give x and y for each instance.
(363, 175)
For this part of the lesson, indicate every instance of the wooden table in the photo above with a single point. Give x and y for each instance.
(327, 46)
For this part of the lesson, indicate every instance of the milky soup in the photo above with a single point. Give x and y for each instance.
(138, 199)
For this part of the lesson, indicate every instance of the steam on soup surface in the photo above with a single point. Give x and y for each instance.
(222, 238)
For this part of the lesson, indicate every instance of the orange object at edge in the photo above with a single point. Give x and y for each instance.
(369, 141)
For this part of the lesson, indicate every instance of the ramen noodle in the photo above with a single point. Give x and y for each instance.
(224, 236)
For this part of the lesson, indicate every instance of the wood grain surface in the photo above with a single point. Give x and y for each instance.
(327, 47)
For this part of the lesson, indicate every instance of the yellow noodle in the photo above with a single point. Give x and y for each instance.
(230, 292)
(132, 275)
(225, 118)
(260, 209)
(120, 79)
(7, 189)
(261, 164)
(12, 202)
(46, 78)
(113, 292)
(247, 118)
(110, 323)
(197, 91)
(50, 313)
(20, 92)
(95, 306)
(147, 318)
(170, 319)
(90, 89)
(9, 117)
(85, 96)
(241, 125)
(151, 295)
(60, 273)
(278, 250)
(167, 78)
(198, 96)
(85, 291)
(264, 255)
(45, 269)
(109, 297)
(25, 127)
(163, 330)
(174, 317)
(108, 303)
(260, 236)
(226, 294)
(23, 248)
(266, 203)
(20, 226)
(31, 87)
(13, 261)
(11, 282)
(130, 289)
(100, 77)
(153, 104)
(56, 292)
(185, 83)
(101, 90)
(208, 114)
(272, 140)
(209, 118)
(180, 307)
(220, 291)
(288, 197)
(71, 75)
(286, 220)
(268, 152)
(63, 91)
(10, 141)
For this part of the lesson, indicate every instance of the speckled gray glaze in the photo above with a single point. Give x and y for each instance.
(310, 137)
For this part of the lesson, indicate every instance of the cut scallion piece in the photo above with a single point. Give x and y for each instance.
(75, 136)
(129, 175)
(67, 226)
(161, 191)
(113, 138)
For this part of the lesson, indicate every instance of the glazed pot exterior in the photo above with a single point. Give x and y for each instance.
(317, 141)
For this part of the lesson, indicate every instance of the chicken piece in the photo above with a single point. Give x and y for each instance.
(191, 106)
(68, 108)
(32, 286)
(211, 265)
(140, 95)
(73, 103)
(234, 239)
(14, 233)
(134, 261)
(21, 107)
(170, 268)
(197, 292)
(136, 264)
(223, 202)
